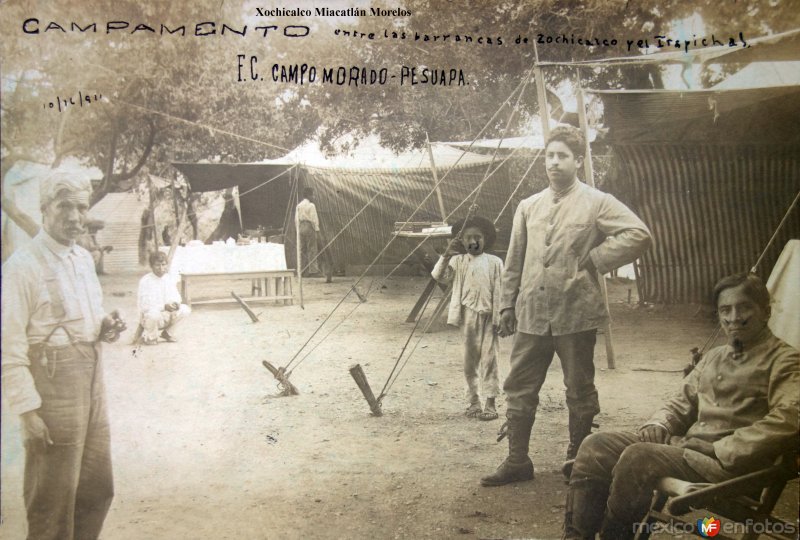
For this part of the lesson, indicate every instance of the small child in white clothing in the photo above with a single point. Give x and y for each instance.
(474, 305)
(160, 307)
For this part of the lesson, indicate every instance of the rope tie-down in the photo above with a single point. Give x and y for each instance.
(287, 370)
(285, 386)
(356, 371)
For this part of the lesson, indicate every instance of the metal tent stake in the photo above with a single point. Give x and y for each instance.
(357, 372)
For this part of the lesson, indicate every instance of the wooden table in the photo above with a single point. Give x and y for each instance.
(426, 254)
(263, 263)
(266, 286)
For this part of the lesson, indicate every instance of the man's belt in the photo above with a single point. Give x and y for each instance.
(45, 347)
(44, 352)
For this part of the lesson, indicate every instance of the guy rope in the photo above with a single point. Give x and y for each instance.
(698, 353)
(287, 370)
(356, 371)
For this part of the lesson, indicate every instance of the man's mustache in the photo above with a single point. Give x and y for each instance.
(738, 324)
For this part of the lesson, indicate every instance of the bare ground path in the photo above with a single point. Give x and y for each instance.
(202, 450)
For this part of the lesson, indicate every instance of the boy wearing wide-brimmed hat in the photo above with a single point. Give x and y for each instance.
(474, 305)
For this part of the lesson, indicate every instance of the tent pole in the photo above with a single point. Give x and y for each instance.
(174, 245)
(174, 198)
(435, 179)
(238, 204)
(297, 237)
(589, 172)
(541, 93)
(152, 210)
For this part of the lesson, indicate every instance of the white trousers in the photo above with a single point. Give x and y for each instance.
(481, 348)
(153, 321)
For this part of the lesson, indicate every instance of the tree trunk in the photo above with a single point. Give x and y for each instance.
(15, 214)
(105, 184)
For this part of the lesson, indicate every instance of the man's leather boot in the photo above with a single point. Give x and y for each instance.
(579, 429)
(615, 528)
(517, 467)
(583, 515)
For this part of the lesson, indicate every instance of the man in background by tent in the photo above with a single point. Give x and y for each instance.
(551, 298)
(308, 226)
(88, 241)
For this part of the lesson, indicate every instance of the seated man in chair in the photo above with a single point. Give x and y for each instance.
(734, 414)
(160, 307)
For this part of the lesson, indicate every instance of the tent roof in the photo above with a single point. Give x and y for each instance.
(757, 115)
(760, 74)
(368, 155)
(26, 171)
(124, 207)
(218, 176)
(531, 142)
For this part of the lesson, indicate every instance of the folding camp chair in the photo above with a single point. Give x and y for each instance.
(747, 500)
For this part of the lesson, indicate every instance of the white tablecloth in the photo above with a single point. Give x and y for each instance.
(228, 259)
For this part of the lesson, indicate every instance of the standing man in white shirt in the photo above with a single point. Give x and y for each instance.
(160, 305)
(551, 299)
(53, 321)
(308, 225)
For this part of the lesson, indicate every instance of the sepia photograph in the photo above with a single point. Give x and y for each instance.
(390, 269)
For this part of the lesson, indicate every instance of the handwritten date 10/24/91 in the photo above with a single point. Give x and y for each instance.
(82, 99)
(249, 70)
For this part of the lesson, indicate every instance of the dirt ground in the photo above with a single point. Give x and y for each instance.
(202, 449)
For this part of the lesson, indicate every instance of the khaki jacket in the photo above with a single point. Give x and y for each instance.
(746, 404)
(551, 235)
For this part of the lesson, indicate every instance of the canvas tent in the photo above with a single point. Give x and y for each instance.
(21, 186)
(376, 192)
(784, 287)
(121, 213)
(712, 173)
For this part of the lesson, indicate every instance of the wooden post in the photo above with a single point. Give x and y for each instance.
(245, 307)
(152, 210)
(174, 244)
(541, 94)
(543, 109)
(174, 199)
(435, 179)
(589, 172)
(357, 372)
(297, 236)
(287, 388)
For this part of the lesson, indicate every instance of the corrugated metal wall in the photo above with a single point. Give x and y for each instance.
(712, 209)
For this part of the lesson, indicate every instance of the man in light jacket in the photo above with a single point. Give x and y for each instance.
(562, 237)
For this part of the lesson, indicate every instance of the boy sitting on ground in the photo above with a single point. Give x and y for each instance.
(474, 305)
(160, 305)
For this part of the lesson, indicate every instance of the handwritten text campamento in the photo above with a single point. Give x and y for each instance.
(36, 27)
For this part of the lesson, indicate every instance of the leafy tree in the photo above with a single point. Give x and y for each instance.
(171, 98)
(404, 115)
